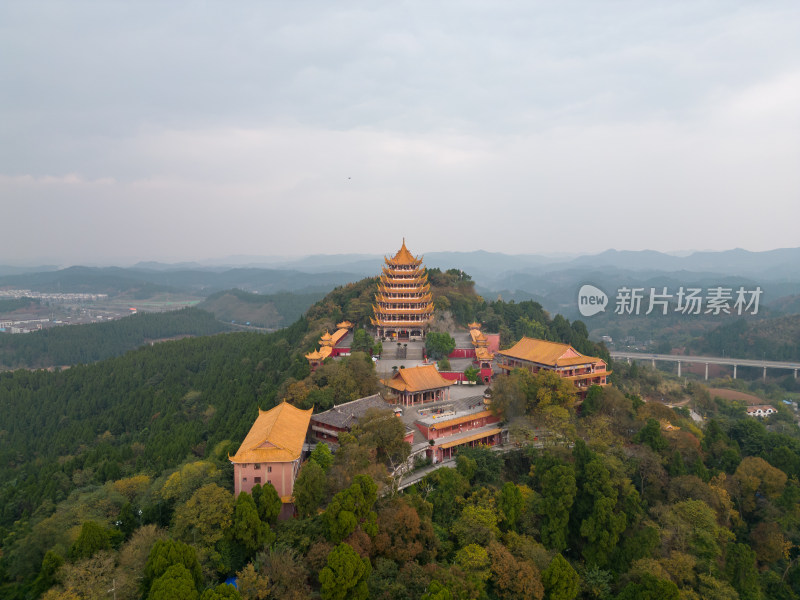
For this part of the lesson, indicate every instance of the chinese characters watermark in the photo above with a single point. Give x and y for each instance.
(688, 301)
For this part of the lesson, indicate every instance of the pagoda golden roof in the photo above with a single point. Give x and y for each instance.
(344, 325)
(403, 257)
(276, 436)
(474, 325)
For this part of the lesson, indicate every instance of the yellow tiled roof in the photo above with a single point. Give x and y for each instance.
(483, 354)
(460, 420)
(344, 325)
(417, 379)
(474, 325)
(547, 353)
(276, 436)
(470, 438)
(337, 336)
(404, 257)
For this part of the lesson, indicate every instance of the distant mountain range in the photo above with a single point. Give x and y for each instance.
(551, 280)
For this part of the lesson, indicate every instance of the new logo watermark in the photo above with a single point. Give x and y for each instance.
(591, 300)
(686, 300)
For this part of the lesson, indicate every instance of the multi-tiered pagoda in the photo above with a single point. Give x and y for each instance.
(403, 307)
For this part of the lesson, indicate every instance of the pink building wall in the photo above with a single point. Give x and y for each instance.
(281, 475)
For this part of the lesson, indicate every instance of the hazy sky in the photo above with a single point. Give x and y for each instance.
(169, 130)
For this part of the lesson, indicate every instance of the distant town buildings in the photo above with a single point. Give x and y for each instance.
(49, 297)
(403, 306)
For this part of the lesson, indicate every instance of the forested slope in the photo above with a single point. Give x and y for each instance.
(74, 344)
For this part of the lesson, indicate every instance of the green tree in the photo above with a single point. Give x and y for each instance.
(345, 575)
(603, 526)
(166, 553)
(352, 508)
(560, 580)
(224, 591)
(322, 456)
(437, 591)
(510, 502)
(92, 538)
(740, 569)
(439, 345)
(649, 588)
(175, 583)
(309, 488)
(248, 529)
(268, 503)
(650, 434)
(558, 490)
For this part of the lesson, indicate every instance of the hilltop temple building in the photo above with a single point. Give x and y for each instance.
(403, 306)
(536, 355)
(271, 452)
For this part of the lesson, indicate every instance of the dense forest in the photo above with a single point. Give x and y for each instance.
(776, 338)
(75, 344)
(119, 478)
(262, 310)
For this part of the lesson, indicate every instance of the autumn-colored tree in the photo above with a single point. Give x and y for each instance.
(286, 573)
(203, 520)
(755, 476)
(767, 540)
(251, 584)
(132, 559)
(402, 535)
(345, 575)
(512, 577)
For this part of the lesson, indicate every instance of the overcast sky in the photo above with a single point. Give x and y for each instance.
(185, 131)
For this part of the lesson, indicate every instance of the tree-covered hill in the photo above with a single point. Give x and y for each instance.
(270, 311)
(774, 339)
(74, 344)
(141, 412)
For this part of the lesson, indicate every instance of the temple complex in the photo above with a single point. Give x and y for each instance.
(535, 355)
(403, 306)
